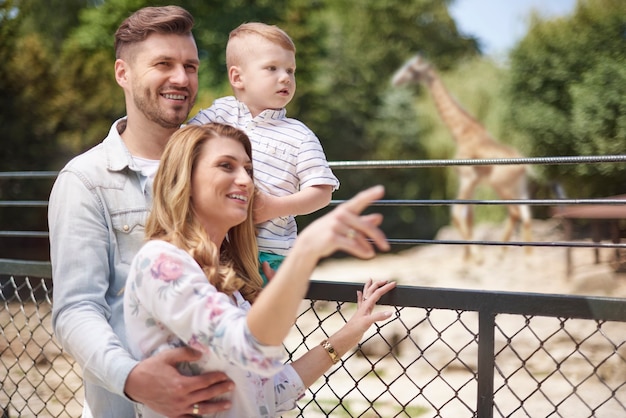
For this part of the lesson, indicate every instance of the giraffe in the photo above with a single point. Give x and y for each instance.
(473, 141)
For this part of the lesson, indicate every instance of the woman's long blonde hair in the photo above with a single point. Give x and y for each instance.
(235, 266)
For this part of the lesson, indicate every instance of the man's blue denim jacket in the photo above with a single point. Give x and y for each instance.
(97, 212)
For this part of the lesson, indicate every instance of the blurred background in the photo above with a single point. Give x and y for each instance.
(549, 80)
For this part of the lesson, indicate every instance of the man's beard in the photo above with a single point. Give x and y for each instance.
(154, 113)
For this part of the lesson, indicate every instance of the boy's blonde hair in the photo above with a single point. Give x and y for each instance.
(237, 47)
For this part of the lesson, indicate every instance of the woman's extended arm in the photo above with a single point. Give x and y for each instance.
(344, 229)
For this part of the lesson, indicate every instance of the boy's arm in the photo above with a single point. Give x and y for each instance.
(303, 202)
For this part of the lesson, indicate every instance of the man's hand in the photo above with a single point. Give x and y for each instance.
(268, 271)
(157, 383)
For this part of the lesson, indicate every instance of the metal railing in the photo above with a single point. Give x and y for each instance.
(444, 352)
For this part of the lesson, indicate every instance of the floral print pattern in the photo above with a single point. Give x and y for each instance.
(166, 268)
(168, 302)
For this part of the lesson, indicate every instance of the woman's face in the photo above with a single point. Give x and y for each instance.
(221, 185)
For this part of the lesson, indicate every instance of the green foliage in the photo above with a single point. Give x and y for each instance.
(214, 19)
(89, 99)
(598, 113)
(563, 93)
(97, 25)
(10, 22)
(567, 94)
(53, 19)
(352, 109)
(363, 51)
(27, 87)
(25, 142)
(61, 96)
(31, 83)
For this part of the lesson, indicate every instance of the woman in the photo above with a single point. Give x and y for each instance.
(196, 281)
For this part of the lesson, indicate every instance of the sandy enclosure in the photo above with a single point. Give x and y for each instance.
(543, 271)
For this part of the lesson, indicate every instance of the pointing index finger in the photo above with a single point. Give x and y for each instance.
(364, 198)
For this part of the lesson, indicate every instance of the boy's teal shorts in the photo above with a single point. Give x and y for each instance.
(274, 261)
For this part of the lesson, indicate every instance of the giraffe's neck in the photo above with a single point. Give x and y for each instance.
(458, 121)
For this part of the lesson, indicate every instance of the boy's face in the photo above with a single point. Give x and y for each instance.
(266, 78)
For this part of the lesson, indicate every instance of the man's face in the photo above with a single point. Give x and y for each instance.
(163, 78)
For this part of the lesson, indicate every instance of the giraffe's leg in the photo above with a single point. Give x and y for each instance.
(509, 182)
(511, 220)
(526, 227)
(462, 215)
(519, 214)
(475, 254)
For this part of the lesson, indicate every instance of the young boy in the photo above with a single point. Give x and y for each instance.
(290, 167)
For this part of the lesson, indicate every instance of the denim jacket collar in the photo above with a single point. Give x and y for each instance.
(117, 155)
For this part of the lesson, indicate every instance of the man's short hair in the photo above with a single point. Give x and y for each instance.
(148, 20)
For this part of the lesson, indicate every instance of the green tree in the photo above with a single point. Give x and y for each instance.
(358, 116)
(214, 19)
(60, 95)
(91, 98)
(10, 21)
(567, 94)
(33, 32)
(26, 62)
(53, 19)
(365, 45)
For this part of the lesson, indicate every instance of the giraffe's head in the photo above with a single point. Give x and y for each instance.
(415, 70)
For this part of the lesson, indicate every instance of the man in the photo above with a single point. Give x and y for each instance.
(97, 212)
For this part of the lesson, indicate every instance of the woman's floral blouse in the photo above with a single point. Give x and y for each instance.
(169, 302)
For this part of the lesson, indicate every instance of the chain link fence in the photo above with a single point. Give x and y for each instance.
(38, 379)
(443, 353)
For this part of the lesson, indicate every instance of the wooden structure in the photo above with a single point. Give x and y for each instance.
(604, 222)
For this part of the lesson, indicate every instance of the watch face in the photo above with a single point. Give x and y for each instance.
(330, 350)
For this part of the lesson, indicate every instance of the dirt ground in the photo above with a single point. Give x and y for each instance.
(543, 271)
